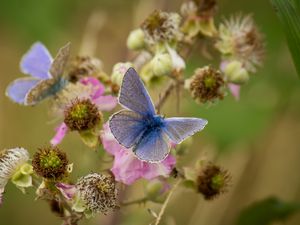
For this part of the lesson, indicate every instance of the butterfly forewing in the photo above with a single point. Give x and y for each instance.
(133, 94)
(60, 61)
(179, 128)
(154, 146)
(127, 127)
(18, 89)
(37, 62)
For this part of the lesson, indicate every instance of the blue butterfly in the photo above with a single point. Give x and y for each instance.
(46, 75)
(140, 128)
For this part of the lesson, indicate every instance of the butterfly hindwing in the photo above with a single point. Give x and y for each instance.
(44, 89)
(18, 89)
(37, 62)
(127, 127)
(60, 61)
(133, 94)
(154, 146)
(179, 128)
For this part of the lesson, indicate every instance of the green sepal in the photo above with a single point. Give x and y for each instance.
(22, 177)
(89, 138)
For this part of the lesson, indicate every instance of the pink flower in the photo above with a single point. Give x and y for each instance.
(96, 95)
(126, 167)
(67, 190)
(235, 90)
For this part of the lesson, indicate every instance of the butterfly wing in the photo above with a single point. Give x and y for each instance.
(60, 61)
(44, 89)
(18, 89)
(37, 62)
(133, 94)
(127, 127)
(154, 146)
(179, 128)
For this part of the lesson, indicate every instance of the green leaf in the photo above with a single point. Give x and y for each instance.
(288, 13)
(266, 211)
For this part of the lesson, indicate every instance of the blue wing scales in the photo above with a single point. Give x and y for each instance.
(127, 127)
(18, 89)
(133, 94)
(179, 128)
(37, 62)
(154, 146)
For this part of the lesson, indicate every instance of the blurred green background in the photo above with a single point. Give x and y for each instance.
(257, 138)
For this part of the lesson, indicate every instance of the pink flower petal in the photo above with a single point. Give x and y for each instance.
(126, 167)
(67, 190)
(61, 131)
(106, 103)
(235, 90)
(96, 84)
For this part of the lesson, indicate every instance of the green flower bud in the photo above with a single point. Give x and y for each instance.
(136, 40)
(162, 64)
(235, 73)
(119, 71)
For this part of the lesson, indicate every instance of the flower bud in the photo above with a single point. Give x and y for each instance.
(162, 64)
(119, 71)
(235, 73)
(136, 40)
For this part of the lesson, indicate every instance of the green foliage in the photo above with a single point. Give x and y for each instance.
(266, 211)
(288, 13)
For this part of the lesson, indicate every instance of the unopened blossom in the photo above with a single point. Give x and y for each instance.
(240, 40)
(80, 105)
(127, 168)
(96, 193)
(14, 167)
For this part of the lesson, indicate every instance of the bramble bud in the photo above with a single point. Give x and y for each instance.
(162, 64)
(136, 40)
(51, 163)
(235, 73)
(119, 71)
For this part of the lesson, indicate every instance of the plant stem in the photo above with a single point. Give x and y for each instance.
(164, 206)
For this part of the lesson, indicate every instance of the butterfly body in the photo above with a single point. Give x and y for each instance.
(140, 128)
(45, 78)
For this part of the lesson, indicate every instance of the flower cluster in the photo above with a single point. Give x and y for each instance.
(83, 98)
